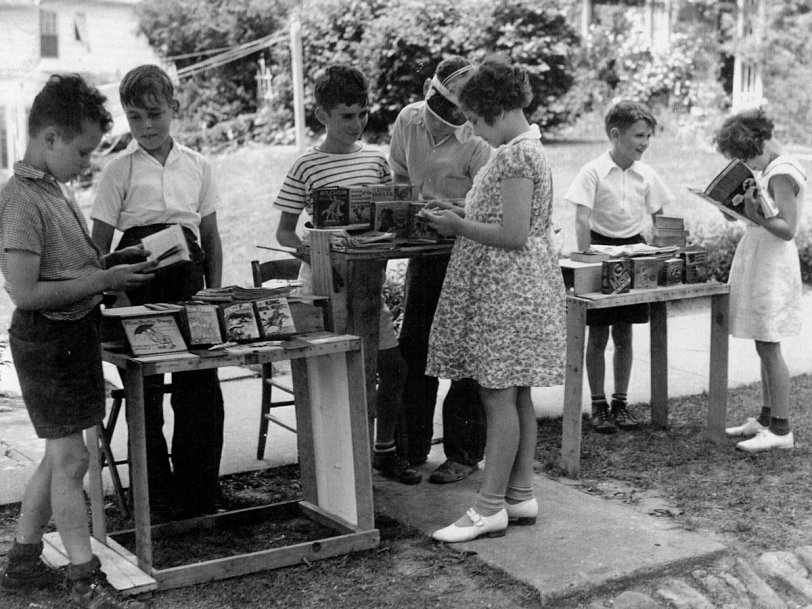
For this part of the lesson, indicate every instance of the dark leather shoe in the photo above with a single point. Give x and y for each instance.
(451, 471)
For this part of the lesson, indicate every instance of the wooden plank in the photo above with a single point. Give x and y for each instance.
(333, 455)
(264, 560)
(659, 294)
(304, 424)
(361, 440)
(316, 514)
(573, 388)
(659, 365)
(96, 493)
(138, 466)
(717, 387)
(121, 572)
(321, 268)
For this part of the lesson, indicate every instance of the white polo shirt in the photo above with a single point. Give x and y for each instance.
(620, 200)
(136, 190)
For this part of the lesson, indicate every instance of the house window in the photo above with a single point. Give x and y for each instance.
(3, 138)
(48, 36)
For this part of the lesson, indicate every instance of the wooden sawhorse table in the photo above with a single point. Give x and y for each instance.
(333, 451)
(658, 298)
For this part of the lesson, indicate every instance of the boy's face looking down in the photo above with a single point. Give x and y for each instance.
(66, 158)
(151, 124)
(344, 125)
(629, 145)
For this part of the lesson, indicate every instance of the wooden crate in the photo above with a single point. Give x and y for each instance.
(581, 277)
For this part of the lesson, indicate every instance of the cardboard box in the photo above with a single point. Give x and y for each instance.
(391, 216)
(646, 272)
(616, 276)
(695, 265)
(351, 206)
(589, 257)
(668, 222)
(581, 277)
(671, 272)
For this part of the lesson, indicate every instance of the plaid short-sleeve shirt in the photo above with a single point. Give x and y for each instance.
(37, 216)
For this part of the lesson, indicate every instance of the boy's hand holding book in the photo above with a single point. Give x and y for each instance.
(127, 255)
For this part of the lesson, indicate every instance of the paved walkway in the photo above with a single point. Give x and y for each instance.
(579, 538)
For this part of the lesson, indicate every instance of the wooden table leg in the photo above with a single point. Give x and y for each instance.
(573, 388)
(139, 486)
(364, 282)
(717, 385)
(659, 364)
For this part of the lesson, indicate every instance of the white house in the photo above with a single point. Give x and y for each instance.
(98, 39)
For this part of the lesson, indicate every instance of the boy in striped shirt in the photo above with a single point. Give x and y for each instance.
(342, 100)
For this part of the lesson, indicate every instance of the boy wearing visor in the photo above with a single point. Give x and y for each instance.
(434, 148)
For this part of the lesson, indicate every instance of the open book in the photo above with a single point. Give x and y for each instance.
(727, 190)
(167, 246)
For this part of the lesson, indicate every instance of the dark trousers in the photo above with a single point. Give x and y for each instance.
(463, 414)
(197, 403)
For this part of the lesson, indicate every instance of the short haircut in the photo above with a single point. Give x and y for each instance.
(742, 135)
(144, 84)
(341, 84)
(496, 87)
(65, 102)
(625, 113)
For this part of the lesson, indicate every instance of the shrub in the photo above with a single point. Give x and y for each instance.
(719, 239)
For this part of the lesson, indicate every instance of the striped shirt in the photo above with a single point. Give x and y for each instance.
(316, 169)
(37, 215)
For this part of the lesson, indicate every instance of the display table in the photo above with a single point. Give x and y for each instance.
(658, 298)
(333, 451)
(360, 274)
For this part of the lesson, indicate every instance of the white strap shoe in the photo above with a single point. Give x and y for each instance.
(750, 428)
(766, 440)
(485, 526)
(523, 513)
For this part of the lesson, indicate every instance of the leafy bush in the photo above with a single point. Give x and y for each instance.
(397, 44)
(719, 239)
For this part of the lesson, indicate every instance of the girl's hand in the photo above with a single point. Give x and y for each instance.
(439, 205)
(444, 221)
(129, 276)
(752, 205)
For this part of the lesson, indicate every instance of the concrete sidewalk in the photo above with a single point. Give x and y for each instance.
(580, 541)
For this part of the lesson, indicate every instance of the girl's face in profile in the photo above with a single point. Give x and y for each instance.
(490, 133)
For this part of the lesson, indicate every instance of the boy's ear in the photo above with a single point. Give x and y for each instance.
(49, 136)
(322, 115)
(614, 133)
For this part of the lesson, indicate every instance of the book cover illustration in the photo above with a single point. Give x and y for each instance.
(616, 276)
(391, 217)
(202, 324)
(275, 319)
(727, 190)
(240, 322)
(167, 246)
(153, 335)
(330, 207)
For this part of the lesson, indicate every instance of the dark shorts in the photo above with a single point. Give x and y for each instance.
(632, 314)
(59, 367)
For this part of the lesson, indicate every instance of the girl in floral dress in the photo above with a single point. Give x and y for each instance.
(765, 275)
(501, 311)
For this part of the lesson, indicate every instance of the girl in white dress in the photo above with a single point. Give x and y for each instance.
(765, 276)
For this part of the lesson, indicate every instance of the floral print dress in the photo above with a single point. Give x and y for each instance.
(500, 319)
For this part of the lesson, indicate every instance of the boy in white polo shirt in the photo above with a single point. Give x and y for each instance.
(613, 194)
(156, 182)
(433, 147)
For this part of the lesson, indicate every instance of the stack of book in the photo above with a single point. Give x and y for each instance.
(668, 230)
(236, 293)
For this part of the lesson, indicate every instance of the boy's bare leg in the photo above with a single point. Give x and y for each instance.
(595, 358)
(35, 509)
(69, 461)
(622, 360)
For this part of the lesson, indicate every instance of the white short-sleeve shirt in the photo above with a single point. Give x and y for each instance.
(136, 190)
(620, 200)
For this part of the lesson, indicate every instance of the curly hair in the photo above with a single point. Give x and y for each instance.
(496, 87)
(742, 135)
(341, 84)
(145, 83)
(626, 113)
(64, 102)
